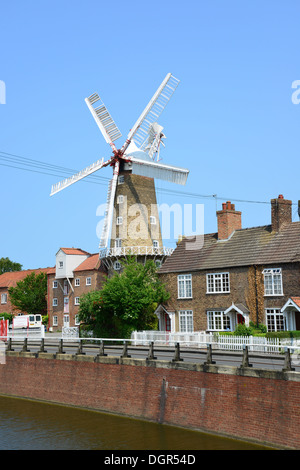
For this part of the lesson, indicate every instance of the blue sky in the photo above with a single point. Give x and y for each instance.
(231, 122)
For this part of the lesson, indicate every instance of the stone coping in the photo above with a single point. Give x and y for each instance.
(177, 365)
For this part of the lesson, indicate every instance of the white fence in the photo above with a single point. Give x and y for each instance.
(30, 333)
(201, 339)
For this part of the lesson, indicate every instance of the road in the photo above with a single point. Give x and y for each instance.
(229, 358)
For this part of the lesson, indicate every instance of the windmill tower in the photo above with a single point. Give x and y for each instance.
(131, 222)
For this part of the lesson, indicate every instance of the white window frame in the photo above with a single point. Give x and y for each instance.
(55, 302)
(270, 286)
(119, 220)
(184, 286)
(218, 283)
(55, 284)
(61, 264)
(88, 281)
(117, 265)
(277, 321)
(118, 243)
(152, 220)
(55, 320)
(186, 321)
(77, 281)
(4, 298)
(216, 321)
(121, 179)
(77, 322)
(120, 199)
(155, 244)
(76, 300)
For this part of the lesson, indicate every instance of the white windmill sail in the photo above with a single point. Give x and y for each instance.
(103, 119)
(107, 225)
(78, 176)
(139, 132)
(142, 165)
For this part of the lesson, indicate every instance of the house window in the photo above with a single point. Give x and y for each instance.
(121, 179)
(61, 264)
(184, 286)
(55, 302)
(76, 301)
(152, 220)
(155, 244)
(120, 199)
(88, 281)
(217, 321)
(4, 298)
(119, 220)
(55, 320)
(217, 283)
(77, 282)
(186, 321)
(55, 284)
(77, 321)
(273, 281)
(275, 319)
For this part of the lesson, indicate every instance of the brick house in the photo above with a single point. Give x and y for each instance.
(76, 273)
(239, 275)
(10, 279)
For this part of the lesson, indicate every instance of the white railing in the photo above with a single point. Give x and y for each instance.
(136, 250)
(201, 339)
(30, 333)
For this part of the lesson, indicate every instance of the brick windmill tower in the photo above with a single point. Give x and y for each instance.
(131, 222)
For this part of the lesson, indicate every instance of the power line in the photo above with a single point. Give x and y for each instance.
(97, 179)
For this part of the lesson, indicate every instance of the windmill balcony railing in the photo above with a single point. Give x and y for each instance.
(136, 250)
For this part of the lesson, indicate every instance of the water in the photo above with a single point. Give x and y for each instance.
(29, 425)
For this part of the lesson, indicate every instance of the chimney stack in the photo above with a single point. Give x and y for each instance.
(281, 213)
(229, 220)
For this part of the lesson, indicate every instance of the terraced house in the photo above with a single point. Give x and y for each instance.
(239, 275)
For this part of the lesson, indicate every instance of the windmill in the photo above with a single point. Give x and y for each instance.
(138, 156)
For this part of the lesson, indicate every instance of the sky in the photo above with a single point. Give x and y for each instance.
(233, 121)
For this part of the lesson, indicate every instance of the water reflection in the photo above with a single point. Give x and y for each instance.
(33, 425)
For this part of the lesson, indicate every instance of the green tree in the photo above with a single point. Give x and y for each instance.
(126, 302)
(29, 295)
(6, 265)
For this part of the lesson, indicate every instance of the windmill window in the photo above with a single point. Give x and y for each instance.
(119, 220)
(120, 199)
(117, 266)
(121, 179)
(155, 244)
(118, 243)
(152, 220)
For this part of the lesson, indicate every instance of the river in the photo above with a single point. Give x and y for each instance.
(31, 425)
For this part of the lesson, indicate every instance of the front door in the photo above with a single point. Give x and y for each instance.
(297, 320)
(167, 323)
(240, 319)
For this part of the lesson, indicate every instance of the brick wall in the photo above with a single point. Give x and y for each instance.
(264, 407)
(240, 292)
